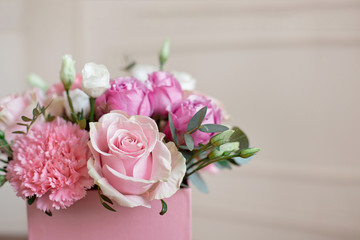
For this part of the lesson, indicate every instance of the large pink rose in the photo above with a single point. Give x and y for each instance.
(166, 94)
(15, 106)
(187, 109)
(126, 94)
(131, 164)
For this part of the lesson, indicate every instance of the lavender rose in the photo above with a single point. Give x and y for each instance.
(187, 109)
(166, 94)
(127, 94)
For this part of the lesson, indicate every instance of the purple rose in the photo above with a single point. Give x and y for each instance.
(166, 94)
(187, 109)
(127, 94)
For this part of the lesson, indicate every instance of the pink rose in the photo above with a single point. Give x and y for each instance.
(131, 164)
(15, 106)
(166, 94)
(187, 109)
(127, 94)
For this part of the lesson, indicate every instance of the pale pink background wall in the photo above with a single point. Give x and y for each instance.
(288, 72)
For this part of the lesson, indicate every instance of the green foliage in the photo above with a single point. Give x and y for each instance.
(173, 130)
(198, 182)
(196, 121)
(31, 200)
(37, 111)
(240, 136)
(2, 180)
(164, 53)
(163, 207)
(104, 199)
(189, 141)
(212, 128)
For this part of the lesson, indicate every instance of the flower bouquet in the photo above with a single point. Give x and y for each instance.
(91, 142)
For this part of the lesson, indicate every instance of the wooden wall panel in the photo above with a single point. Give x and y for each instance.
(288, 72)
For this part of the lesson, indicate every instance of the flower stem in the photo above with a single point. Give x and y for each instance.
(92, 108)
(70, 102)
(205, 164)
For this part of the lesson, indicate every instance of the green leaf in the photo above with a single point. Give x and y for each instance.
(212, 128)
(2, 180)
(223, 164)
(31, 200)
(82, 123)
(173, 130)
(248, 152)
(108, 207)
(240, 136)
(50, 118)
(26, 119)
(2, 135)
(240, 161)
(198, 182)
(196, 121)
(18, 132)
(189, 141)
(36, 112)
(48, 212)
(163, 208)
(22, 124)
(106, 199)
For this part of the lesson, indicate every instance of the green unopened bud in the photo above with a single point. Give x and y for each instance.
(221, 138)
(249, 152)
(36, 81)
(67, 72)
(2, 135)
(224, 150)
(164, 53)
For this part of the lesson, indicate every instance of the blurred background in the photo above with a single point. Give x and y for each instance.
(287, 71)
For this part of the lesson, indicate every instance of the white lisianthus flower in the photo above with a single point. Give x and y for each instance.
(141, 71)
(80, 102)
(186, 81)
(96, 79)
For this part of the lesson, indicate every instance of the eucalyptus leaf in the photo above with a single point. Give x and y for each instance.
(212, 128)
(223, 164)
(18, 132)
(240, 136)
(163, 207)
(26, 119)
(189, 141)
(173, 130)
(2, 180)
(36, 112)
(196, 121)
(198, 182)
(22, 124)
(241, 161)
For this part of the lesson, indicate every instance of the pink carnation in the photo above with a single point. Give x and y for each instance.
(50, 163)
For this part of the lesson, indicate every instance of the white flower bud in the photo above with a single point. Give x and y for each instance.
(186, 81)
(67, 72)
(80, 102)
(96, 79)
(141, 71)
